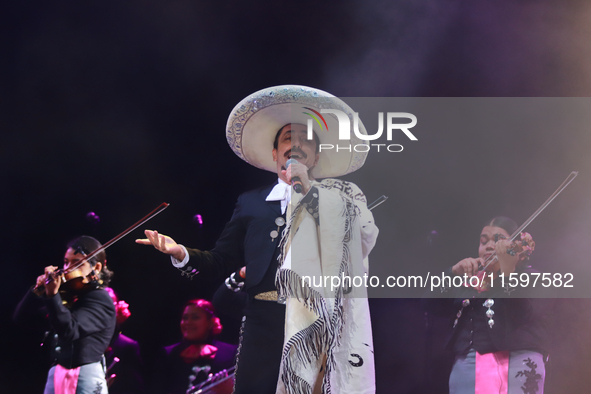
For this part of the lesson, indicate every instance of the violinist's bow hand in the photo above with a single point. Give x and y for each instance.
(39, 288)
(163, 243)
(52, 281)
(467, 266)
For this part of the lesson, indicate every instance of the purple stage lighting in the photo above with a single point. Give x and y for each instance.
(432, 238)
(93, 218)
(198, 219)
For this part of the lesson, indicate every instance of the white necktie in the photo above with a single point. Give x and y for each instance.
(281, 192)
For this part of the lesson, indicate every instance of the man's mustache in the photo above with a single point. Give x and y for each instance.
(296, 151)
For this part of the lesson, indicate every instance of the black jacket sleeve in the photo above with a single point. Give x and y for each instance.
(228, 254)
(94, 312)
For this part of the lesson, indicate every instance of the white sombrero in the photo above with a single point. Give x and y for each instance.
(255, 121)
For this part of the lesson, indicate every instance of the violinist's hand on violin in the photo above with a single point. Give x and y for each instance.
(51, 282)
(467, 266)
(163, 243)
(506, 261)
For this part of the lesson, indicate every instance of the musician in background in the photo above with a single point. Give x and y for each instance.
(499, 338)
(124, 363)
(189, 362)
(82, 329)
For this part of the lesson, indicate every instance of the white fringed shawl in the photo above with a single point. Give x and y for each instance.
(328, 345)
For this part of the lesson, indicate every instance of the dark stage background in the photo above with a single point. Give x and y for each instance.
(114, 107)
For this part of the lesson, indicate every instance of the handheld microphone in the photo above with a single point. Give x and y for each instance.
(295, 181)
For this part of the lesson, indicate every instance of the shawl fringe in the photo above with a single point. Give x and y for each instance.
(289, 285)
(294, 384)
(325, 334)
(307, 345)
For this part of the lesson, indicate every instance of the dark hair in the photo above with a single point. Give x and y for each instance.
(203, 304)
(276, 142)
(85, 245)
(503, 222)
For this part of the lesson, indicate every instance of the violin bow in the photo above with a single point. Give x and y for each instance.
(377, 202)
(563, 186)
(143, 220)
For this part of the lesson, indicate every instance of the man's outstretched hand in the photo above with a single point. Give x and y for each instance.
(163, 243)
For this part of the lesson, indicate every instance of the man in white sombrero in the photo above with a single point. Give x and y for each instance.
(302, 332)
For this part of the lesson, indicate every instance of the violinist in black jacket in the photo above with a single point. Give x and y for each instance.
(499, 337)
(81, 331)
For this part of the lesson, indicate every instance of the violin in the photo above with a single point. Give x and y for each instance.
(73, 281)
(521, 247)
(76, 282)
